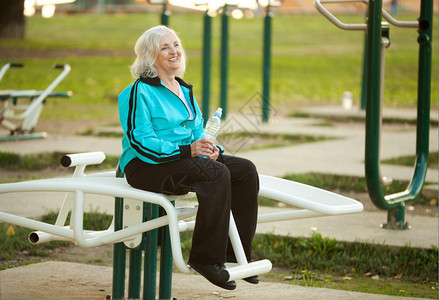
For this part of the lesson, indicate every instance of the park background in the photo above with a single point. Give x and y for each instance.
(313, 64)
(313, 61)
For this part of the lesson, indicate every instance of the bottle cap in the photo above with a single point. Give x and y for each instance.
(219, 112)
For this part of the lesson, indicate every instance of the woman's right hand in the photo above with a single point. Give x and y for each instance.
(202, 147)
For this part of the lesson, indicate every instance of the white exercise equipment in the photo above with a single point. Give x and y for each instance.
(311, 201)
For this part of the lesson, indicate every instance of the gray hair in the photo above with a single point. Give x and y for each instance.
(147, 50)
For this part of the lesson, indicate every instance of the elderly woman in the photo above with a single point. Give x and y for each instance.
(162, 149)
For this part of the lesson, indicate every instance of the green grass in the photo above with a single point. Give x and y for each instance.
(15, 249)
(14, 161)
(93, 220)
(313, 61)
(42, 165)
(341, 258)
(410, 160)
(356, 283)
(372, 268)
(37, 162)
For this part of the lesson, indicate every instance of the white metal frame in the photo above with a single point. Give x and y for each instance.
(313, 202)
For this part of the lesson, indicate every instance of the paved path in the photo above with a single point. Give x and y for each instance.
(58, 280)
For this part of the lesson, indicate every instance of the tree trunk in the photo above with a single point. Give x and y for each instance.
(12, 21)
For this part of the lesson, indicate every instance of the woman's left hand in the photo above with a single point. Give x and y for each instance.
(204, 147)
(215, 154)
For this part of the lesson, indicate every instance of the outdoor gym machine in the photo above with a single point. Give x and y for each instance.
(7, 66)
(20, 119)
(131, 227)
(377, 38)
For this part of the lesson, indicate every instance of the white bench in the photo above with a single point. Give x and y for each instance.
(313, 202)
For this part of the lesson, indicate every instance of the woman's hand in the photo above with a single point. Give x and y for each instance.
(204, 147)
(215, 154)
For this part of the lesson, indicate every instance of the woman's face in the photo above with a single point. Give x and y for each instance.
(169, 59)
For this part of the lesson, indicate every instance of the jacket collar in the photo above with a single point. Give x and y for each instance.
(157, 82)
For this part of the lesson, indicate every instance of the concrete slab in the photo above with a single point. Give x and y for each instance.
(63, 280)
(362, 227)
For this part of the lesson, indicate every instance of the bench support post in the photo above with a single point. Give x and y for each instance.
(165, 262)
(150, 260)
(135, 271)
(149, 244)
(119, 252)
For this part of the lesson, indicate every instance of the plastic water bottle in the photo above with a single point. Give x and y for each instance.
(347, 100)
(213, 126)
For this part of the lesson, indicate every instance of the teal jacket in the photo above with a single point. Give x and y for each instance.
(155, 122)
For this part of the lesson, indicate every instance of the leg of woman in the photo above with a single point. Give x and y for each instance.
(245, 189)
(211, 182)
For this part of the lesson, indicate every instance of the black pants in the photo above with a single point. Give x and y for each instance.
(230, 183)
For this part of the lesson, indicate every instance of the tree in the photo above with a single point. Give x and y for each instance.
(12, 21)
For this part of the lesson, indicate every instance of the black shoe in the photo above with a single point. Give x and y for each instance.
(252, 279)
(216, 274)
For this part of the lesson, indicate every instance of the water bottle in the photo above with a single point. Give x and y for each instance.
(213, 126)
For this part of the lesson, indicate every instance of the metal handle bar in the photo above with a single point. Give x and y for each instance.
(393, 21)
(16, 65)
(7, 66)
(338, 23)
(333, 19)
(396, 202)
